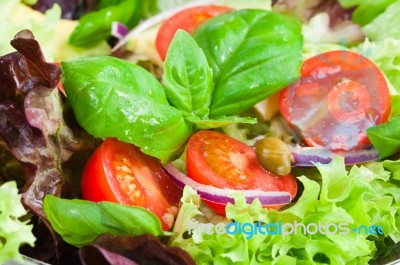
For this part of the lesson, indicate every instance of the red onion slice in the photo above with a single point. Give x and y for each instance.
(157, 19)
(119, 30)
(307, 156)
(223, 196)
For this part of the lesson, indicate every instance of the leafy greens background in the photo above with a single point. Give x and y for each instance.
(364, 195)
(245, 56)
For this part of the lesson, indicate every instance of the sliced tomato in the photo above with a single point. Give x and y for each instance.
(120, 172)
(188, 19)
(216, 159)
(339, 95)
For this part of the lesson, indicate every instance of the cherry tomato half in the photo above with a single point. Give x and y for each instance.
(120, 172)
(339, 95)
(188, 19)
(216, 159)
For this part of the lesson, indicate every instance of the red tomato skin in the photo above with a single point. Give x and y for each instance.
(99, 190)
(188, 19)
(158, 193)
(204, 171)
(309, 83)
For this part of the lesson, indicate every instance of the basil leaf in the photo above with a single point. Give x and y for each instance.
(386, 137)
(253, 54)
(219, 122)
(106, 3)
(95, 27)
(188, 78)
(114, 98)
(79, 222)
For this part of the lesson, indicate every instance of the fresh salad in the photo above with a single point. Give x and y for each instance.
(199, 132)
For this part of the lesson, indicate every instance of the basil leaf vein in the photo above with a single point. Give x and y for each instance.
(253, 54)
(188, 78)
(79, 222)
(114, 98)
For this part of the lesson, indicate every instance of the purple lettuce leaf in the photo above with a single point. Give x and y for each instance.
(144, 249)
(32, 121)
(70, 9)
(306, 9)
(38, 136)
(10, 168)
(94, 254)
(25, 69)
(339, 26)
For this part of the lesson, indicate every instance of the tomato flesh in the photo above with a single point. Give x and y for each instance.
(120, 172)
(188, 19)
(218, 160)
(339, 95)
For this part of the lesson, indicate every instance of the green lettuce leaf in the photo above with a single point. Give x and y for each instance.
(394, 167)
(366, 10)
(189, 209)
(386, 55)
(386, 25)
(13, 231)
(395, 100)
(43, 29)
(350, 198)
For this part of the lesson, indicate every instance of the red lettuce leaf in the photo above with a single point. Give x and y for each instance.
(32, 120)
(340, 27)
(49, 246)
(70, 9)
(38, 135)
(144, 249)
(10, 168)
(25, 69)
(305, 9)
(94, 254)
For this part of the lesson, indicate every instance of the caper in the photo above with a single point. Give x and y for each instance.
(274, 155)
